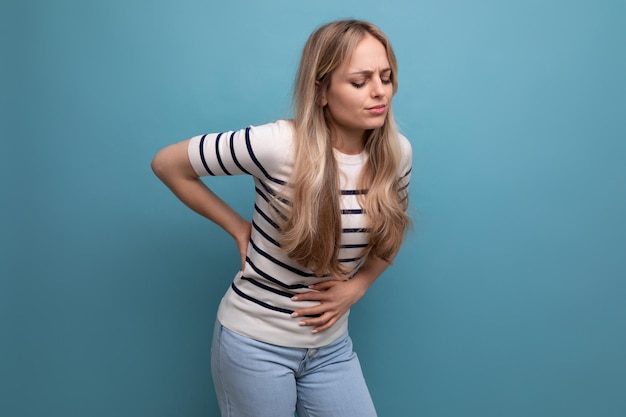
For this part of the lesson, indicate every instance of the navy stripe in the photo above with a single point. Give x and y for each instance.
(259, 302)
(217, 152)
(352, 211)
(259, 192)
(202, 158)
(356, 230)
(256, 161)
(265, 235)
(267, 200)
(348, 260)
(279, 263)
(353, 192)
(354, 246)
(267, 218)
(272, 279)
(268, 288)
(232, 153)
(273, 194)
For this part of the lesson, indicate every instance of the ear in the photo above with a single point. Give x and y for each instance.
(322, 94)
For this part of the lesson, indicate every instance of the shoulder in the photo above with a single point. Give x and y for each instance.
(405, 144)
(271, 147)
(273, 141)
(279, 130)
(406, 154)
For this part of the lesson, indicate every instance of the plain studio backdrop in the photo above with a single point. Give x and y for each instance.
(507, 299)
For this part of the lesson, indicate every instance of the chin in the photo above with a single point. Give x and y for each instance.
(376, 125)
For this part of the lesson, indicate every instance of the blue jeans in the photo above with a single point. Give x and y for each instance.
(257, 379)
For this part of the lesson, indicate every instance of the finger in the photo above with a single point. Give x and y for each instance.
(326, 326)
(322, 324)
(310, 296)
(314, 311)
(323, 286)
(317, 321)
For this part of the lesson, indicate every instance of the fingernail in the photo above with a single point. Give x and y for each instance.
(302, 323)
(294, 314)
(294, 298)
(313, 331)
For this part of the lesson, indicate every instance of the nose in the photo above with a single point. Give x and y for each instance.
(378, 88)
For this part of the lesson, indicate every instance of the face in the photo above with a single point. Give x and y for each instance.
(360, 92)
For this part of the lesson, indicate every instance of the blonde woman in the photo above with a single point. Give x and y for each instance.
(329, 216)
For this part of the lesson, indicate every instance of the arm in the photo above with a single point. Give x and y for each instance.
(171, 165)
(336, 297)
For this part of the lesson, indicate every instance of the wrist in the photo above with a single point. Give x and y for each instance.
(360, 284)
(237, 226)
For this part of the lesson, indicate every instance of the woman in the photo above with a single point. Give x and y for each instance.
(329, 216)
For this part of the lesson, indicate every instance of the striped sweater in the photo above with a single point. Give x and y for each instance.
(258, 303)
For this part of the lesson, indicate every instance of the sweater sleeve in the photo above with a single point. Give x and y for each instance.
(261, 151)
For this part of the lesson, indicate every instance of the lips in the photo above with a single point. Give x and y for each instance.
(377, 110)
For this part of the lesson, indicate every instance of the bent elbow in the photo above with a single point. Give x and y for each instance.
(158, 164)
(172, 163)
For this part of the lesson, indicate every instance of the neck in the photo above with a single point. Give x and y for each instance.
(350, 143)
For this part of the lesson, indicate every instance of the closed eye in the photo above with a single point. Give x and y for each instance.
(385, 77)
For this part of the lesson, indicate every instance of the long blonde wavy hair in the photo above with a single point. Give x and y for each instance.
(312, 232)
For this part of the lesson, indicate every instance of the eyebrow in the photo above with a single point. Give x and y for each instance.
(369, 72)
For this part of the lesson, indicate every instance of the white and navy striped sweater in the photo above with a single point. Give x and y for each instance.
(258, 304)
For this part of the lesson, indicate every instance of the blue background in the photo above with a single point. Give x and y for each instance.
(506, 300)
